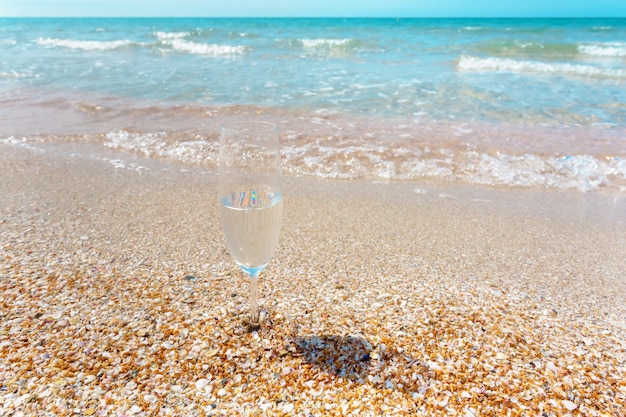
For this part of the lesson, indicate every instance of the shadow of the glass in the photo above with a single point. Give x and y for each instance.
(356, 360)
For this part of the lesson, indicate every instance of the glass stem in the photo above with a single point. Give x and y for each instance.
(254, 303)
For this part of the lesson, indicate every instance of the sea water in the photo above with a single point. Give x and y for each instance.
(498, 102)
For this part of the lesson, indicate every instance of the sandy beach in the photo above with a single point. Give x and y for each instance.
(118, 297)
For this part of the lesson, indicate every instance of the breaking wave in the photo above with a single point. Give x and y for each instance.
(473, 63)
(608, 49)
(321, 46)
(85, 45)
(375, 162)
(171, 35)
(173, 39)
(206, 49)
(325, 43)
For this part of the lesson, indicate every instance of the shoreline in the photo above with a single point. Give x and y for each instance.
(119, 296)
(335, 145)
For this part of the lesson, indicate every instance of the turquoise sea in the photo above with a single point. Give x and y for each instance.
(497, 102)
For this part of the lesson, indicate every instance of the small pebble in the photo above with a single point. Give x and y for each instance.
(201, 383)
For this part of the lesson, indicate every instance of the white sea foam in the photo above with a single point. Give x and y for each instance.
(602, 28)
(472, 63)
(323, 43)
(581, 172)
(122, 164)
(171, 35)
(377, 162)
(20, 143)
(367, 86)
(608, 49)
(206, 49)
(12, 74)
(157, 145)
(84, 45)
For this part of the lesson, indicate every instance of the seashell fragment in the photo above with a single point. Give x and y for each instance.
(569, 405)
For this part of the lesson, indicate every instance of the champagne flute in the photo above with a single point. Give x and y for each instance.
(250, 197)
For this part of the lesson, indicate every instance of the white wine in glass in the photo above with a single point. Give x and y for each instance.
(250, 198)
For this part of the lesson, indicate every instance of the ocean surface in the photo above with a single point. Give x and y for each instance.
(495, 102)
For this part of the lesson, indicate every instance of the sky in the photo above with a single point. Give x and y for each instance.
(316, 8)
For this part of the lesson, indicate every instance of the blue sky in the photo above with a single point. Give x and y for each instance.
(310, 8)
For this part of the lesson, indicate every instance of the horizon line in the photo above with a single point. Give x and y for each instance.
(304, 17)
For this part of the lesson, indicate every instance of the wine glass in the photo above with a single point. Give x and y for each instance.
(250, 198)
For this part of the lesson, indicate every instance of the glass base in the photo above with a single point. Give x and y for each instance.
(252, 327)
